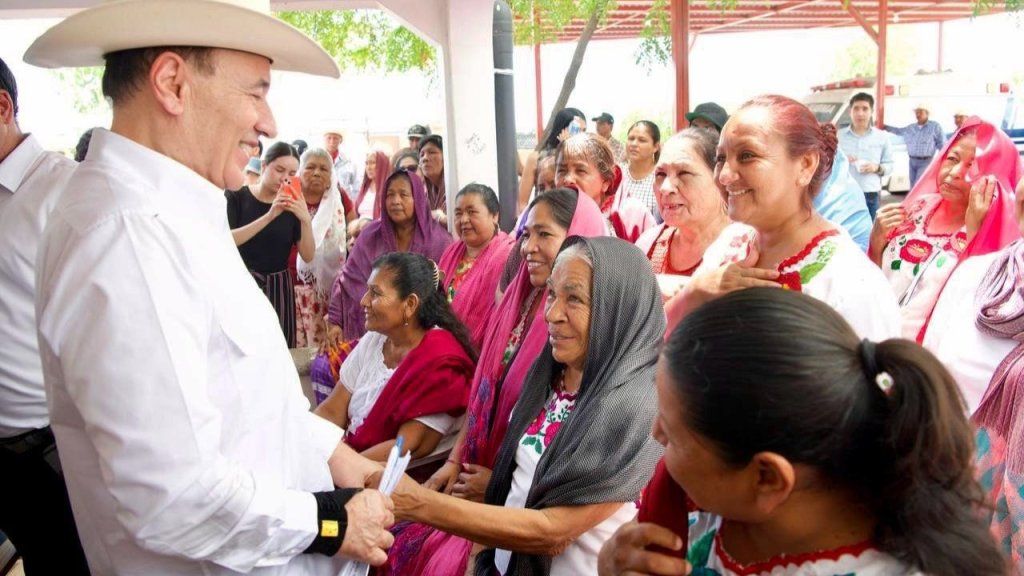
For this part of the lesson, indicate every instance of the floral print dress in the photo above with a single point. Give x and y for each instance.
(917, 264)
(707, 557)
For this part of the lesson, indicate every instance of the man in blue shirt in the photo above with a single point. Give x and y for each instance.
(867, 149)
(924, 138)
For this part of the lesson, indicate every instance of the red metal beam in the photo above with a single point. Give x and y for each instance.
(762, 15)
(680, 13)
(862, 21)
(883, 33)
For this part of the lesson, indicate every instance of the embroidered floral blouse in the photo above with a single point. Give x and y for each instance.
(833, 269)
(465, 265)
(917, 263)
(580, 557)
(708, 558)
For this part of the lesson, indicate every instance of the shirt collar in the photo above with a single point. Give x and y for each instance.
(181, 190)
(15, 167)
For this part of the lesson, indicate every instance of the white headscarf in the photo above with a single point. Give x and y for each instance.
(329, 234)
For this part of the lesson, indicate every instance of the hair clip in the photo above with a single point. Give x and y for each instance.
(884, 382)
(437, 275)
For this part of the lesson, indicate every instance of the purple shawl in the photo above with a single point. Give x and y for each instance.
(378, 238)
(1000, 415)
(1000, 300)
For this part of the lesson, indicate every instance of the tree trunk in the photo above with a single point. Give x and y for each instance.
(569, 82)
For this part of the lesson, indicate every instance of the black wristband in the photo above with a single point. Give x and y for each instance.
(331, 521)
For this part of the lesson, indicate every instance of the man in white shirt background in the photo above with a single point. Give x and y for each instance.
(34, 509)
(186, 442)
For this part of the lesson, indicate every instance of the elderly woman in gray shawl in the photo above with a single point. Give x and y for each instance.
(578, 449)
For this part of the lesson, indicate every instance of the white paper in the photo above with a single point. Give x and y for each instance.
(393, 472)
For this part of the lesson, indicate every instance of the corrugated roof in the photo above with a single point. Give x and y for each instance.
(627, 19)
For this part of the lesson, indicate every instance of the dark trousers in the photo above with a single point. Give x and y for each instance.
(34, 509)
(917, 168)
(871, 199)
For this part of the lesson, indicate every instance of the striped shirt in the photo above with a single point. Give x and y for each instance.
(923, 140)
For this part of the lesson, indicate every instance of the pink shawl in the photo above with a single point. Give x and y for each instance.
(378, 238)
(381, 171)
(474, 299)
(487, 425)
(996, 156)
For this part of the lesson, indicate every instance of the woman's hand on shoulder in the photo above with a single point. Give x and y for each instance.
(712, 284)
(983, 193)
(626, 553)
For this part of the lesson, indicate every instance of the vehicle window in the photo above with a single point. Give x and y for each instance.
(825, 111)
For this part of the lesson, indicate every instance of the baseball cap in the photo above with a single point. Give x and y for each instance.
(418, 130)
(604, 117)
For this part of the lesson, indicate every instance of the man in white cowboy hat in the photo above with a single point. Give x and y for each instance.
(186, 442)
(34, 509)
(924, 138)
(345, 170)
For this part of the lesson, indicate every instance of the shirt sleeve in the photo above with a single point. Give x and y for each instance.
(348, 375)
(440, 423)
(885, 163)
(940, 139)
(136, 369)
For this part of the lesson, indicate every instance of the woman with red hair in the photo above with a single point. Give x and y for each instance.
(773, 158)
(961, 207)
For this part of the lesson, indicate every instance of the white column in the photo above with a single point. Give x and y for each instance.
(461, 29)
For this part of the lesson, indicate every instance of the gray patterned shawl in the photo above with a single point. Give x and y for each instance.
(604, 452)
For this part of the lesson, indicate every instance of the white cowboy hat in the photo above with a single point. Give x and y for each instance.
(83, 38)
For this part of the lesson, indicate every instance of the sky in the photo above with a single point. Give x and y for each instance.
(727, 68)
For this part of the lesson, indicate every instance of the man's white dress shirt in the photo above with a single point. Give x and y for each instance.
(30, 179)
(186, 442)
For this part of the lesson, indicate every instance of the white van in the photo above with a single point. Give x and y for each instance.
(944, 92)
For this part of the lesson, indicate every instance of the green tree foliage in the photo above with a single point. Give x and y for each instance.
(365, 40)
(860, 57)
(86, 85)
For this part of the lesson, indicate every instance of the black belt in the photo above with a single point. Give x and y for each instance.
(27, 442)
(921, 157)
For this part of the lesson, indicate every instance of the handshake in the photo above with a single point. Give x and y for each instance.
(369, 512)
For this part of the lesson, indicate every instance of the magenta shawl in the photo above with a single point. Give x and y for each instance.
(491, 386)
(474, 300)
(378, 238)
(381, 171)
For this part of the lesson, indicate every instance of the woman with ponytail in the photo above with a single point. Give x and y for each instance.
(409, 375)
(773, 158)
(794, 447)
